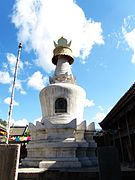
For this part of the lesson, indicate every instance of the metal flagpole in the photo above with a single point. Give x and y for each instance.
(12, 93)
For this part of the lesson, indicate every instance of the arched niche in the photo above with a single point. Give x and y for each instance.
(61, 105)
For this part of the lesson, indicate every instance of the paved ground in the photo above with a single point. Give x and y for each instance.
(91, 169)
(66, 174)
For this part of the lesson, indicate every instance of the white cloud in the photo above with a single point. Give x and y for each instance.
(39, 22)
(98, 118)
(27, 63)
(5, 78)
(130, 38)
(4, 66)
(18, 86)
(128, 31)
(9, 67)
(89, 103)
(8, 99)
(37, 81)
(21, 122)
(101, 108)
(12, 62)
(22, 91)
(101, 115)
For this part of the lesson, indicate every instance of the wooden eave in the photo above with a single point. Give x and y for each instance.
(124, 100)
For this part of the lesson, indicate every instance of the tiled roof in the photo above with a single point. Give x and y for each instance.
(2, 127)
(18, 130)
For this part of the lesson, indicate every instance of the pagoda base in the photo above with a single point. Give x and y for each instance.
(55, 146)
(60, 163)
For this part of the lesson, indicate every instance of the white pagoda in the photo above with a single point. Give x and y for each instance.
(57, 141)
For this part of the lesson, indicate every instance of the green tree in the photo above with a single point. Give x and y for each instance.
(3, 122)
(27, 133)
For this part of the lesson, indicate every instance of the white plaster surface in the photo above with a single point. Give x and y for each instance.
(74, 94)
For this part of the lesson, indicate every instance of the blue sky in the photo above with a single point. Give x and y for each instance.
(103, 42)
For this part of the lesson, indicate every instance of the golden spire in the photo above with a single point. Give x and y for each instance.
(62, 49)
(62, 42)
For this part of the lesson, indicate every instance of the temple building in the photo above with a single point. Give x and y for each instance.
(58, 141)
(2, 133)
(119, 127)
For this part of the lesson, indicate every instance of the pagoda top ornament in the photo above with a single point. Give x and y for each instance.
(63, 50)
(62, 42)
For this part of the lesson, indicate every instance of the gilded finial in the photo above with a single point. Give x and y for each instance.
(20, 45)
(62, 42)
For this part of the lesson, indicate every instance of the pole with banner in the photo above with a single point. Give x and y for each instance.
(12, 93)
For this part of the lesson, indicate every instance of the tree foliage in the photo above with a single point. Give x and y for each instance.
(3, 122)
